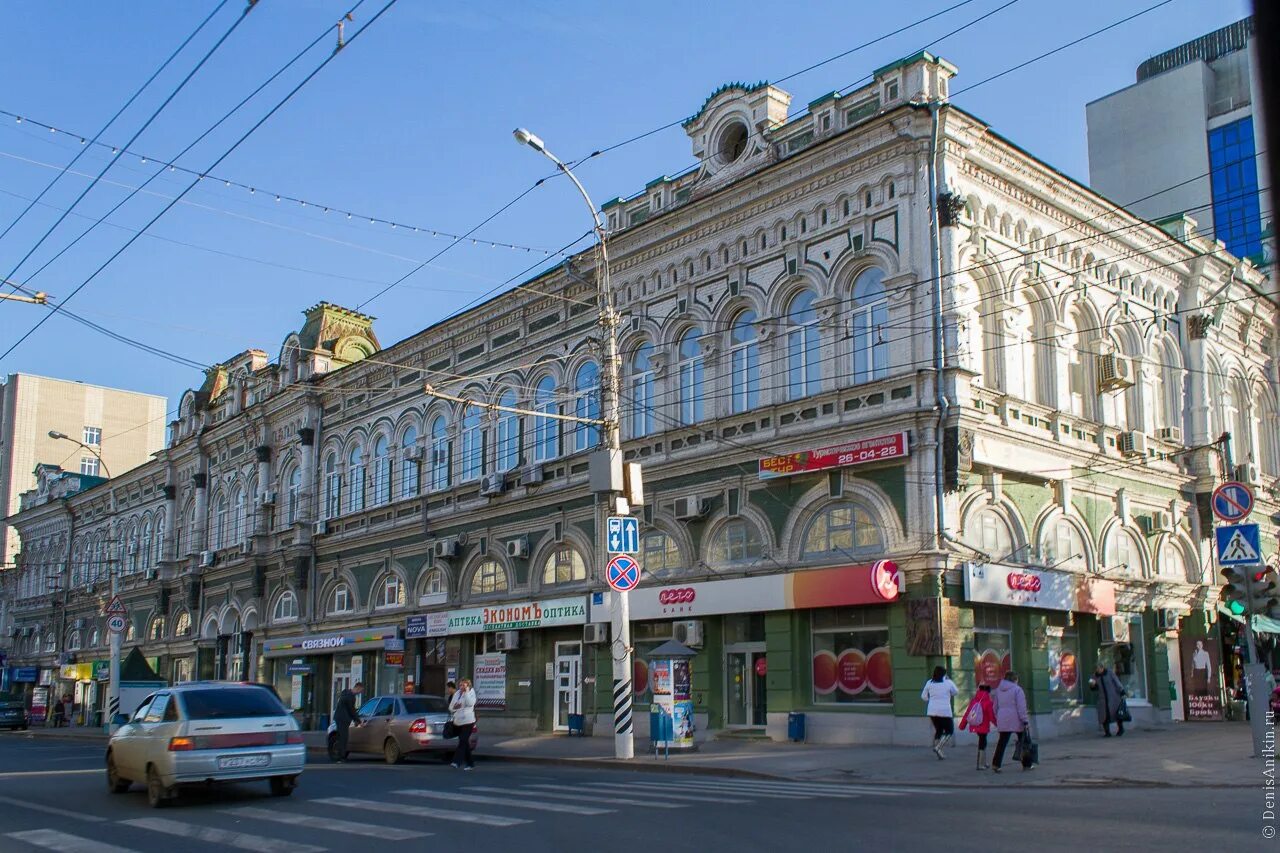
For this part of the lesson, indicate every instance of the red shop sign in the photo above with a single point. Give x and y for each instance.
(862, 451)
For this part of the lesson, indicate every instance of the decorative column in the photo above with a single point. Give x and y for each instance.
(262, 512)
(307, 497)
(200, 528)
(717, 400)
(1058, 370)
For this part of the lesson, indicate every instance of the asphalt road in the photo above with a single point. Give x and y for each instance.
(53, 796)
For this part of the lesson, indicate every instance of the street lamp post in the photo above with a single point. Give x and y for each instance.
(53, 433)
(624, 743)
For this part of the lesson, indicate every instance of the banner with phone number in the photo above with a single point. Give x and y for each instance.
(864, 450)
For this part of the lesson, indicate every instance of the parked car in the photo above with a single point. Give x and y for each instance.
(13, 713)
(202, 733)
(397, 726)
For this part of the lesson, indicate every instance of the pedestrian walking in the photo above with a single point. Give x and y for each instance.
(1110, 701)
(345, 715)
(59, 713)
(938, 692)
(978, 718)
(462, 713)
(1010, 706)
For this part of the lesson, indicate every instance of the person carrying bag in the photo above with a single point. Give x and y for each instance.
(978, 718)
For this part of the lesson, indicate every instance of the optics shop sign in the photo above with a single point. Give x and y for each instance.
(1018, 586)
(862, 451)
(547, 613)
(327, 644)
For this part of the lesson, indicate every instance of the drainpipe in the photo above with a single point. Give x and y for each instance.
(943, 405)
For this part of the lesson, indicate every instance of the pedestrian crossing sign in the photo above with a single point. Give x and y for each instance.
(1238, 544)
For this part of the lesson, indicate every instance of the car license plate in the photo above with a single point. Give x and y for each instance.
(236, 762)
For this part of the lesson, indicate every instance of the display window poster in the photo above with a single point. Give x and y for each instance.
(992, 657)
(660, 678)
(1201, 677)
(490, 681)
(681, 682)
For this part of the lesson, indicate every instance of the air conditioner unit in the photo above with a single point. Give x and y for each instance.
(518, 547)
(206, 559)
(246, 547)
(1157, 522)
(1172, 434)
(1114, 630)
(492, 484)
(445, 548)
(267, 499)
(320, 528)
(1247, 472)
(1133, 443)
(506, 641)
(413, 454)
(690, 507)
(1115, 372)
(689, 632)
(594, 633)
(531, 475)
(1166, 620)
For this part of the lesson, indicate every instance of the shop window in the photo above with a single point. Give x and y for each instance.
(852, 663)
(1127, 656)
(182, 625)
(155, 631)
(340, 599)
(660, 555)
(992, 651)
(565, 565)
(1065, 684)
(390, 593)
(286, 609)
(490, 577)
(841, 531)
(181, 670)
(737, 541)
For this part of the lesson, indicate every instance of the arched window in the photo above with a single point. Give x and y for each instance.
(546, 431)
(340, 600)
(435, 583)
(489, 577)
(440, 453)
(1173, 565)
(737, 541)
(508, 434)
(381, 471)
(286, 609)
(182, 625)
(294, 498)
(989, 532)
(94, 638)
(332, 487)
(390, 593)
(408, 463)
(145, 545)
(803, 375)
(565, 565)
(586, 393)
(1123, 550)
(239, 530)
(131, 550)
(842, 530)
(660, 555)
(73, 642)
(51, 641)
(221, 519)
(155, 631)
(1242, 420)
(1082, 388)
(744, 360)
(130, 633)
(690, 371)
(867, 322)
(355, 479)
(1062, 546)
(472, 444)
(642, 391)
(158, 554)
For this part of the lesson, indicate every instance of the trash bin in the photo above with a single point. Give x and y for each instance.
(577, 725)
(795, 726)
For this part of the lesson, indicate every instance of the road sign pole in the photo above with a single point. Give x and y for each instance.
(113, 688)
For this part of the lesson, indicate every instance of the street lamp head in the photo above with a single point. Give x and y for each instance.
(53, 433)
(524, 137)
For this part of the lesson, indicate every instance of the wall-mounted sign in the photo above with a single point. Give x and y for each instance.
(345, 641)
(862, 451)
(549, 613)
(490, 681)
(1020, 586)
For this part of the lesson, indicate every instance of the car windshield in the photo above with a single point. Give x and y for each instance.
(230, 702)
(425, 705)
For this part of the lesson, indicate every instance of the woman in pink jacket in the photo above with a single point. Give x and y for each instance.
(978, 718)
(1011, 714)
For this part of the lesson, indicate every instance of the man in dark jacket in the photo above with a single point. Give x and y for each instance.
(344, 715)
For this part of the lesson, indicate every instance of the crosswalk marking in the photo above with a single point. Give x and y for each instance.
(242, 840)
(37, 807)
(421, 811)
(564, 808)
(595, 798)
(615, 787)
(372, 830)
(781, 789)
(51, 839)
(717, 790)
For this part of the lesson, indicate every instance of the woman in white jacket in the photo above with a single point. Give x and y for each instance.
(938, 692)
(462, 712)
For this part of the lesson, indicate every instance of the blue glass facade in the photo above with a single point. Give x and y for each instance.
(1237, 216)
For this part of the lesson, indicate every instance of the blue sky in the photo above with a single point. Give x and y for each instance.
(412, 124)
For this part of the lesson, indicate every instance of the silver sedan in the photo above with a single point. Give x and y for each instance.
(399, 725)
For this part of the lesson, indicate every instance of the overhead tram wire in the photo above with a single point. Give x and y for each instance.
(223, 156)
(86, 146)
(225, 116)
(154, 115)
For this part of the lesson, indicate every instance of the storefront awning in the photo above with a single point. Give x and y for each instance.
(1261, 624)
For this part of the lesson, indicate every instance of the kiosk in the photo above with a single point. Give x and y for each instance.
(671, 725)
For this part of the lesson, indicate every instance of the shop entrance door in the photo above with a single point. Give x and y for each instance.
(745, 691)
(568, 683)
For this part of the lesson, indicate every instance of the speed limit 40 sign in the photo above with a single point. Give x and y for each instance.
(115, 624)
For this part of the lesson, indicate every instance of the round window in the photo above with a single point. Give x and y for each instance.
(733, 142)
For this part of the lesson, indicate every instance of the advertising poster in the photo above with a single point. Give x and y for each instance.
(680, 680)
(1201, 677)
(682, 724)
(295, 692)
(1064, 670)
(490, 681)
(39, 704)
(661, 677)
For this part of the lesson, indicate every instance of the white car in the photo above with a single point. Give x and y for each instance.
(206, 732)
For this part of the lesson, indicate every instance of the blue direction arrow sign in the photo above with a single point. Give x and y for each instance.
(622, 573)
(1238, 544)
(1232, 501)
(624, 534)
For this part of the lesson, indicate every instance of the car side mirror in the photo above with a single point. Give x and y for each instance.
(119, 720)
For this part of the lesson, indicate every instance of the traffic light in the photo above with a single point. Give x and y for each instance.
(1252, 590)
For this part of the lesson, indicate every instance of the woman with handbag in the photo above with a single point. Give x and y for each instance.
(1110, 703)
(978, 718)
(462, 713)
(938, 692)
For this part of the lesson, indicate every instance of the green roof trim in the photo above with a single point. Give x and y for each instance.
(662, 180)
(613, 202)
(745, 87)
(830, 96)
(920, 56)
